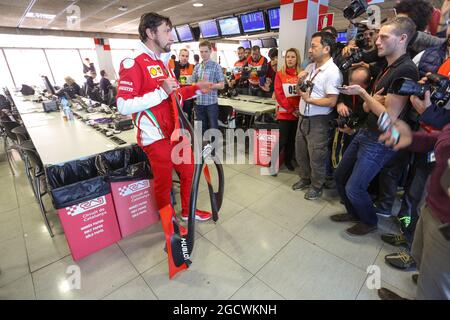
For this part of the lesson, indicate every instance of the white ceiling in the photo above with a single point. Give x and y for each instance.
(104, 15)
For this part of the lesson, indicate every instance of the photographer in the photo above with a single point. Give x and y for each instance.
(319, 93)
(351, 115)
(365, 157)
(255, 72)
(236, 82)
(432, 117)
(431, 246)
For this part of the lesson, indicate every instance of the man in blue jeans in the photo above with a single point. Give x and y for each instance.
(366, 156)
(207, 108)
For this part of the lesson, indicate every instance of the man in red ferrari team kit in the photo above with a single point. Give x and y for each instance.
(144, 91)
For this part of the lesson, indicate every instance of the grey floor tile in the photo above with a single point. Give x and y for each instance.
(212, 275)
(8, 199)
(10, 225)
(136, 289)
(331, 236)
(302, 270)
(287, 208)
(255, 289)
(229, 209)
(249, 239)
(258, 173)
(33, 221)
(20, 289)
(145, 248)
(43, 250)
(245, 190)
(101, 274)
(14, 262)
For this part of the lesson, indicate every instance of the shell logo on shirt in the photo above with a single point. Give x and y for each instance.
(155, 71)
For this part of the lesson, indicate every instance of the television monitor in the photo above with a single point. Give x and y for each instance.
(342, 37)
(184, 33)
(209, 29)
(48, 85)
(253, 22)
(229, 26)
(269, 43)
(245, 43)
(175, 36)
(274, 18)
(256, 42)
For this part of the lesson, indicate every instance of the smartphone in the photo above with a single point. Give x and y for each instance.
(340, 87)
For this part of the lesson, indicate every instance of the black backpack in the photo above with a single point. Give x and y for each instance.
(27, 90)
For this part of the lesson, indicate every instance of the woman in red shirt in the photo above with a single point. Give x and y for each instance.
(287, 103)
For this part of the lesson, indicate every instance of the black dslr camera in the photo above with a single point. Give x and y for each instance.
(355, 57)
(438, 85)
(304, 86)
(351, 121)
(355, 9)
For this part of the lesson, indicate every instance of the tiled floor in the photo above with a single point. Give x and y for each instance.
(269, 243)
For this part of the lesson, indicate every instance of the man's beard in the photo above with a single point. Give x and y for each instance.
(166, 48)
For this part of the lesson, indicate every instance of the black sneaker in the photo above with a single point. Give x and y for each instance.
(301, 185)
(361, 229)
(401, 260)
(313, 194)
(386, 294)
(344, 217)
(396, 240)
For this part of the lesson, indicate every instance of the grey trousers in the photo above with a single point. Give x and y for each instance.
(311, 148)
(431, 251)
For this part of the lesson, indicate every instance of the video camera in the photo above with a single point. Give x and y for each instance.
(355, 9)
(351, 121)
(438, 85)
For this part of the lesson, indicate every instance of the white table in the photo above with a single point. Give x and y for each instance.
(58, 141)
(247, 107)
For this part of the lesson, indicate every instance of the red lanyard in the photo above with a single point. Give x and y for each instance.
(377, 82)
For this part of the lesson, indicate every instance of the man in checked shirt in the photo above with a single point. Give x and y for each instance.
(207, 108)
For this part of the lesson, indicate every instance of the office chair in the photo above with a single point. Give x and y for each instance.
(8, 135)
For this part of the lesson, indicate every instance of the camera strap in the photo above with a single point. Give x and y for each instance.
(311, 79)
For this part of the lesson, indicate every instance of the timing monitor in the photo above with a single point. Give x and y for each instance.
(256, 42)
(175, 36)
(253, 22)
(209, 29)
(269, 43)
(230, 26)
(274, 18)
(245, 44)
(48, 85)
(185, 33)
(342, 37)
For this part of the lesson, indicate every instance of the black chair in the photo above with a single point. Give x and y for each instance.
(227, 117)
(37, 174)
(9, 135)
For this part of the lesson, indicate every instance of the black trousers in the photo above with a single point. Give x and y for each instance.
(288, 130)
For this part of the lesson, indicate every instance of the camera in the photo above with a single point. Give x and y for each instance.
(438, 85)
(355, 9)
(351, 121)
(355, 57)
(303, 86)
